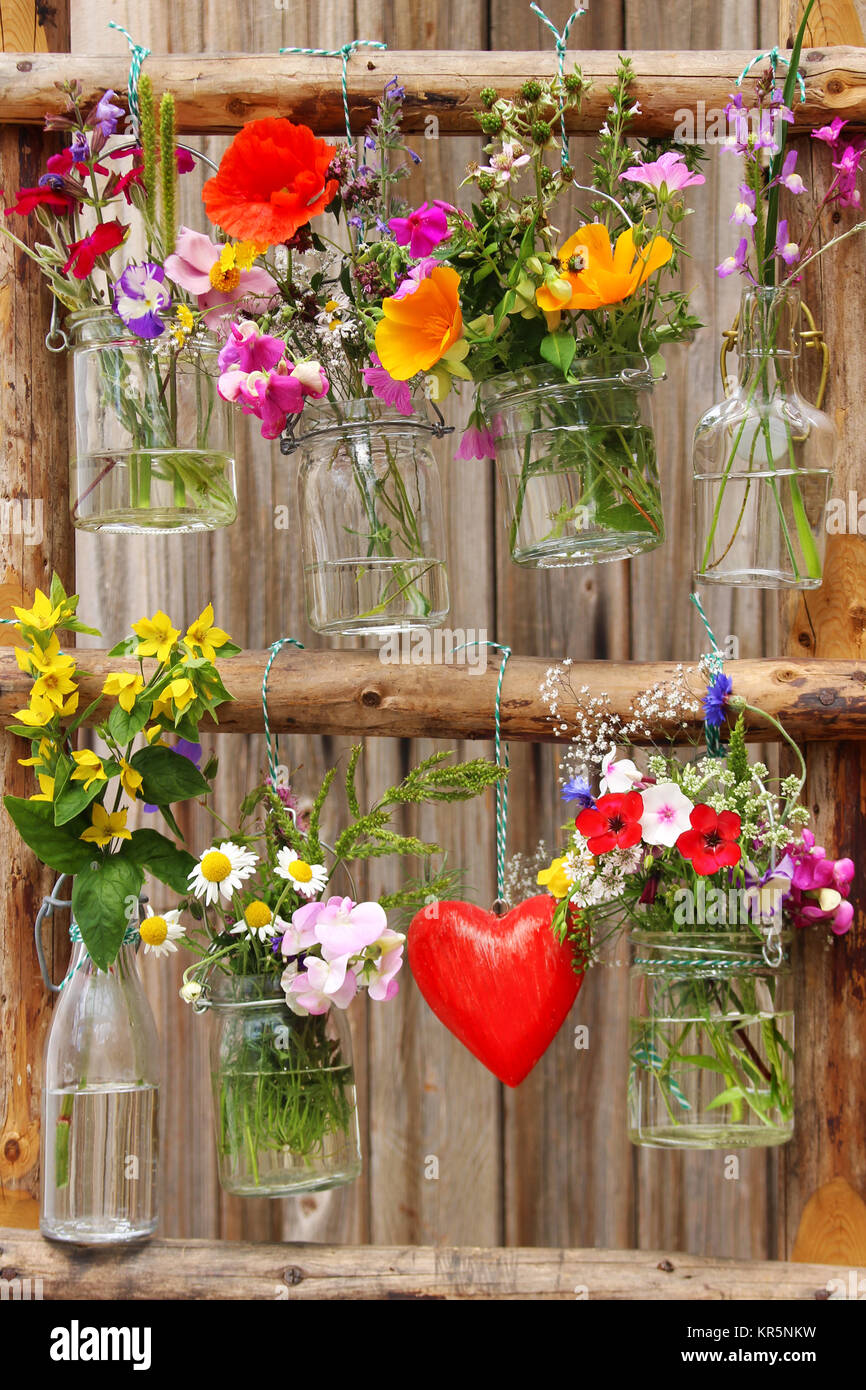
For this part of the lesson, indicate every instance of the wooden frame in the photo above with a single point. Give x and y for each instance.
(820, 700)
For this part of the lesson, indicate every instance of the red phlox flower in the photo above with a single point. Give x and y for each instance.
(613, 823)
(712, 842)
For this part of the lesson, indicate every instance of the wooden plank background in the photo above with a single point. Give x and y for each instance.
(549, 1164)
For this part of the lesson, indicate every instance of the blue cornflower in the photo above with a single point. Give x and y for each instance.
(716, 698)
(578, 789)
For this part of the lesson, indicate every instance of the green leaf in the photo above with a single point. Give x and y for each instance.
(728, 1097)
(125, 726)
(128, 647)
(709, 1064)
(167, 776)
(104, 902)
(57, 846)
(72, 800)
(227, 650)
(170, 821)
(167, 861)
(84, 716)
(558, 349)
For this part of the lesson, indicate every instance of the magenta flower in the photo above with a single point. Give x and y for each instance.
(190, 266)
(272, 396)
(669, 173)
(788, 250)
(731, 264)
(318, 985)
(416, 274)
(385, 388)
(479, 439)
(422, 229)
(250, 350)
(830, 133)
(847, 193)
(788, 177)
(820, 886)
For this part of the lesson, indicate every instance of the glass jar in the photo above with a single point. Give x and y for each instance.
(284, 1091)
(100, 1107)
(763, 461)
(711, 1046)
(154, 442)
(577, 461)
(372, 526)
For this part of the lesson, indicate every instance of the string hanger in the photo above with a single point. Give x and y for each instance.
(502, 760)
(774, 57)
(273, 743)
(561, 44)
(137, 55)
(715, 661)
(345, 52)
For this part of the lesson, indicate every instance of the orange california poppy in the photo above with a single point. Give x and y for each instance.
(271, 181)
(419, 328)
(608, 275)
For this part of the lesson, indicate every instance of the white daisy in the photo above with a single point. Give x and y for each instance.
(306, 879)
(221, 871)
(160, 933)
(258, 920)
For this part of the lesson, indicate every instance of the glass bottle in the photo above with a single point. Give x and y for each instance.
(100, 1107)
(763, 460)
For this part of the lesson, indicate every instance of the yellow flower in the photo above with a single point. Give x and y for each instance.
(105, 828)
(202, 635)
(51, 659)
(41, 616)
(556, 879)
(180, 692)
(153, 731)
(40, 713)
(225, 274)
(257, 914)
(46, 789)
(40, 758)
(157, 636)
(130, 780)
(124, 686)
(53, 685)
(88, 768)
(185, 317)
(245, 254)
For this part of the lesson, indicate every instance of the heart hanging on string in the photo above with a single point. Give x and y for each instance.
(502, 985)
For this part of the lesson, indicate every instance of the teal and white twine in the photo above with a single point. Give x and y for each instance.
(49, 903)
(345, 53)
(561, 50)
(774, 57)
(273, 742)
(137, 55)
(501, 754)
(715, 660)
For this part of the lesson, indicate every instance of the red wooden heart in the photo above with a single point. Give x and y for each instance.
(502, 985)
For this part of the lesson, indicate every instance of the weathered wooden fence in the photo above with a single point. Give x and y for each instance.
(549, 1164)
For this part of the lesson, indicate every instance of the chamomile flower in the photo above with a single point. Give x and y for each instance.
(258, 920)
(159, 934)
(221, 871)
(306, 879)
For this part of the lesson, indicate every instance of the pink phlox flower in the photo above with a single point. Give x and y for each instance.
(385, 388)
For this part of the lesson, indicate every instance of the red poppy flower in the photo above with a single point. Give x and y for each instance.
(613, 823)
(41, 197)
(83, 253)
(271, 181)
(711, 843)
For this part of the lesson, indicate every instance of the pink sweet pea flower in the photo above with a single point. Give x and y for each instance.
(820, 886)
(345, 928)
(383, 986)
(300, 934)
(250, 350)
(669, 173)
(273, 395)
(385, 388)
(422, 229)
(320, 984)
(190, 265)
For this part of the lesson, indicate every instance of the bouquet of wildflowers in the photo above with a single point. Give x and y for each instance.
(763, 457)
(272, 915)
(145, 329)
(77, 821)
(711, 851)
